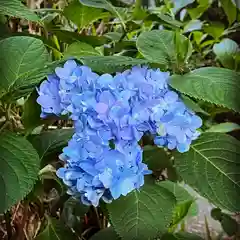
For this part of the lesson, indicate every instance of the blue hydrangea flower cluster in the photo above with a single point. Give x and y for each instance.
(115, 109)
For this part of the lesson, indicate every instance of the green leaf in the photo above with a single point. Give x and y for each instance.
(230, 10)
(211, 166)
(229, 225)
(80, 49)
(50, 141)
(105, 5)
(31, 113)
(55, 230)
(106, 234)
(71, 37)
(157, 46)
(142, 214)
(198, 11)
(210, 84)
(164, 47)
(193, 105)
(19, 59)
(19, 169)
(224, 127)
(82, 15)
(183, 48)
(225, 52)
(181, 236)
(156, 158)
(114, 36)
(111, 64)
(184, 201)
(170, 20)
(214, 29)
(15, 8)
(180, 213)
(181, 194)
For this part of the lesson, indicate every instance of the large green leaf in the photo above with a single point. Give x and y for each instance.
(225, 51)
(50, 141)
(105, 5)
(80, 49)
(20, 57)
(142, 214)
(212, 167)
(55, 230)
(111, 64)
(181, 236)
(164, 47)
(157, 46)
(216, 85)
(82, 15)
(19, 169)
(106, 234)
(15, 8)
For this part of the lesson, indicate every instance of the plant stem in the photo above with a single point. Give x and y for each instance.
(7, 217)
(98, 217)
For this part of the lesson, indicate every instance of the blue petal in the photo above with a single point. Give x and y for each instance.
(183, 147)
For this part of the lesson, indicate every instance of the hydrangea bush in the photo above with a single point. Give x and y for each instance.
(112, 114)
(117, 109)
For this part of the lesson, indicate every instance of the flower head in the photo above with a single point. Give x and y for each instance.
(119, 109)
(49, 98)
